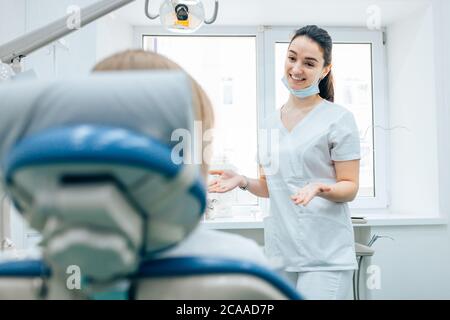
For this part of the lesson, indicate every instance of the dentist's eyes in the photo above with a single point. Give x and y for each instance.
(307, 63)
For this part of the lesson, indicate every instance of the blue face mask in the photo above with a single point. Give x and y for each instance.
(303, 93)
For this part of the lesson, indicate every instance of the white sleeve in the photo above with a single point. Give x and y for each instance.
(344, 139)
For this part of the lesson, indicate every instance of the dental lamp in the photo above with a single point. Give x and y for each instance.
(176, 15)
(184, 16)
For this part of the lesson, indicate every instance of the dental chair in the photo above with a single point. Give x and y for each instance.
(91, 165)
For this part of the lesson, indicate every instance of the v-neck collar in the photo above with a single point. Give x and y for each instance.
(302, 121)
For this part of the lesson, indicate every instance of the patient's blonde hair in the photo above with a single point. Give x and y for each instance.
(147, 60)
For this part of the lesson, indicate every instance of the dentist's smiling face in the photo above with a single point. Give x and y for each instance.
(304, 63)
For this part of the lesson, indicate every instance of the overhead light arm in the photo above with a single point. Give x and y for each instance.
(21, 47)
(15, 50)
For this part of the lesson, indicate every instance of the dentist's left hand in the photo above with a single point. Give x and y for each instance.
(308, 192)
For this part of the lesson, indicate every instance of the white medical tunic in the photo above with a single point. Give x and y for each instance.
(319, 236)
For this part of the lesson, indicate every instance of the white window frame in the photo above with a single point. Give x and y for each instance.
(273, 35)
(139, 33)
(266, 37)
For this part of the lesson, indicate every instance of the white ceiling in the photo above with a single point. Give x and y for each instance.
(287, 12)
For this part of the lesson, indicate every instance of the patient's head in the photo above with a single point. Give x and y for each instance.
(146, 60)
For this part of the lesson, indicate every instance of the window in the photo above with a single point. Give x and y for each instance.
(352, 72)
(225, 66)
(358, 67)
(241, 74)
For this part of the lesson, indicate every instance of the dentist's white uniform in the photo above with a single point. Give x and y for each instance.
(315, 241)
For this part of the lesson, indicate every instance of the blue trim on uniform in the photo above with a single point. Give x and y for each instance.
(187, 266)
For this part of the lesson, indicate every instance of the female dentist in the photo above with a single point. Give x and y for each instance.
(318, 154)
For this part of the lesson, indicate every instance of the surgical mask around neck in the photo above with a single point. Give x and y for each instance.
(303, 93)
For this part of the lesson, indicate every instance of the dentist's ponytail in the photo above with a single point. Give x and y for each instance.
(326, 87)
(323, 39)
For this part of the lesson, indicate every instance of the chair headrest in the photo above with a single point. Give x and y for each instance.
(152, 103)
(63, 132)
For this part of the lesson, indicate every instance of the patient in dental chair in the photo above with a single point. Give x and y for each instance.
(93, 164)
(201, 242)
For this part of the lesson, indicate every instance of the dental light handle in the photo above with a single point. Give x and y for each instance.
(34, 40)
(147, 11)
(216, 10)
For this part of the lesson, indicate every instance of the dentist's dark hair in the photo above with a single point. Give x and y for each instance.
(323, 39)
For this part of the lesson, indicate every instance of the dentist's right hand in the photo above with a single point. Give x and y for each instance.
(227, 181)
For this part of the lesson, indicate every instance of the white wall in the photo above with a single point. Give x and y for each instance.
(81, 53)
(416, 265)
(412, 104)
(11, 28)
(286, 12)
(442, 62)
(113, 35)
(84, 47)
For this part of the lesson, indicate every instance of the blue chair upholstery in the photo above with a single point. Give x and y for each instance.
(92, 166)
(175, 269)
(196, 266)
(131, 167)
(85, 155)
(90, 145)
(26, 269)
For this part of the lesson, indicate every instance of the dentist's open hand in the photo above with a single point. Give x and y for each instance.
(227, 181)
(308, 192)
